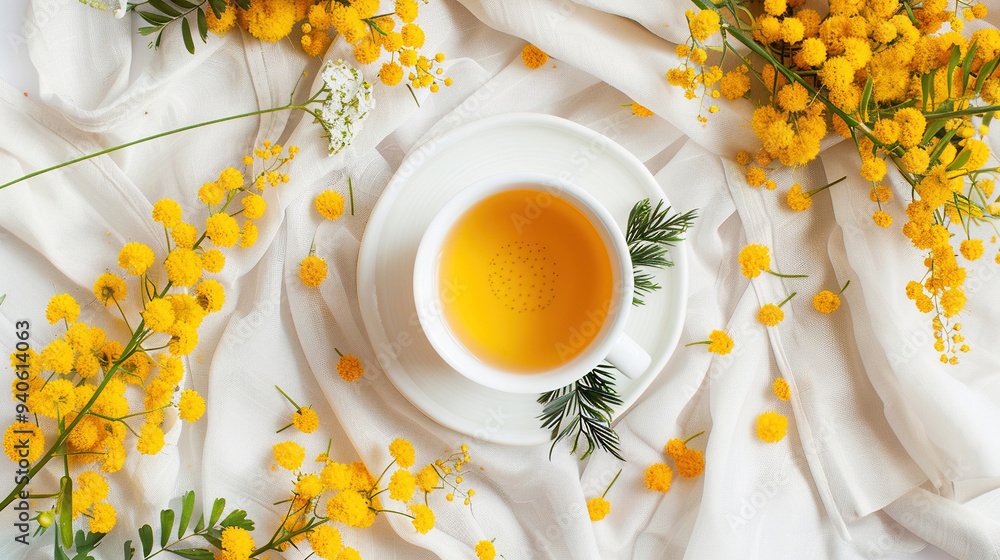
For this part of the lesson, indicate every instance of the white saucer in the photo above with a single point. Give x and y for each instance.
(428, 178)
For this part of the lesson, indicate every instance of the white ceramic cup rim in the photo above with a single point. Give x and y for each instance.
(427, 295)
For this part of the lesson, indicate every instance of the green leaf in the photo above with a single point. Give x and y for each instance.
(66, 510)
(187, 508)
(146, 536)
(201, 524)
(927, 86)
(932, 130)
(866, 97)
(85, 543)
(218, 6)
(956, 54)
(164, 8)
(148, 30)
(583, 410)
(245, 4)
(166, 525)
(967, 66)
(202, 26)
(238, 518)
(194, 553)
(154, 18)
(961, 159)
(941, 145)
(186, 33)
(59, 554)
(214, 537)
(217, 508)
(985, 72)
(129, 550)
(185, 5)
(988, 117)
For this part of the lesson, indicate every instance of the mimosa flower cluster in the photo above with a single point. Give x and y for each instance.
(365, 24)
(902, 80)
(85, 386)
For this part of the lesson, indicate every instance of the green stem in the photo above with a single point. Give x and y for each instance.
(392, 511)
(824, 187)
(703, 431)
(613, 482)
(844, 288)
(350, 189)
(287, 397)
(699, 342)
(148, 138)
(787, 275)
(779, 306)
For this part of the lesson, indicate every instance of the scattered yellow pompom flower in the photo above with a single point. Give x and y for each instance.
(771, 427)
(826, 301)
(110, 288)
(213, 261)
(402, 484)
(350, 368)
(183, 267)
(330, 205)
(402, 451)
(191, 406)
(658, 477)
(312, 271)
(743, 157)
(640, 111)
(753, 259)
(289, 455)
(135, 258)
(19, 432)
(971, 249)
(533, 56)
(781, 389)
(60, 307)
(719, 342)
(485, 550)
(222, 229)
(159, 315)
(103, 518)
(598, 508)
(770, 315)
(424, 518)
(167, 212)
(413, 35)
(150, 439)
(427, 478)
(756, 176)
(349, 554)
(306, 420)
(325, 541)
(882, 219)
(797, 200)
(690, 462)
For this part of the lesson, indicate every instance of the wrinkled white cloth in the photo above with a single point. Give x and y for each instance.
(886, 448)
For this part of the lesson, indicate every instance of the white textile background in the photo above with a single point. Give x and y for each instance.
(886, 447)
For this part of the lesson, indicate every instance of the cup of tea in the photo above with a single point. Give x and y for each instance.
(523, 283)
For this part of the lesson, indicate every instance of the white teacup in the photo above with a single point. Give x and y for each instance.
(610, 344)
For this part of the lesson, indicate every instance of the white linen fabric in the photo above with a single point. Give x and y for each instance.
(886, 448)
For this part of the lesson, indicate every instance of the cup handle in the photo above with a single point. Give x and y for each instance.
(628, 357)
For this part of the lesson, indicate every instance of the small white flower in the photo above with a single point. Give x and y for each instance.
(120, 10)
(348, 102)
